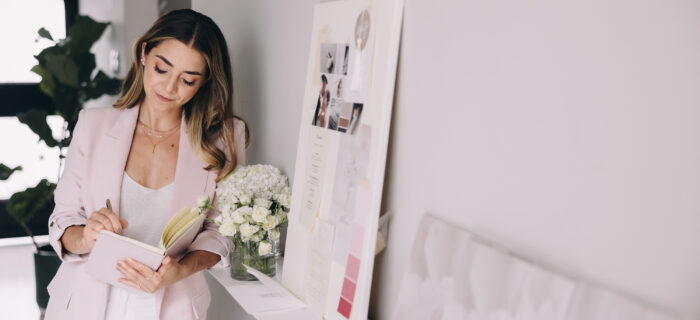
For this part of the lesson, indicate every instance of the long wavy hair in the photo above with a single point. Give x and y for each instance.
(209, 114)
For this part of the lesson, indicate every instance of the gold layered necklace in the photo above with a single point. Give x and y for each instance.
(160, 135)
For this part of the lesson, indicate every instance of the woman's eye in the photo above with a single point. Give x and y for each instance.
(158, 70)
(188, 83)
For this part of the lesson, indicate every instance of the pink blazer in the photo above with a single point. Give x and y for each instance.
(93, 172)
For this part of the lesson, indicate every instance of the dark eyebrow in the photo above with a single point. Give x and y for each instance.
(170, 64)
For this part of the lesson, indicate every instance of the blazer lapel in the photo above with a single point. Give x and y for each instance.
(190, 176)
(116, 154)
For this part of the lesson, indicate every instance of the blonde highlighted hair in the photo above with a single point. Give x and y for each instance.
(209, 114)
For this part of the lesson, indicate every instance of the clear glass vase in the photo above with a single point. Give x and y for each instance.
(247, 253)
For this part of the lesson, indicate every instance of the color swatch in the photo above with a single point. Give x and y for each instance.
(352, 272)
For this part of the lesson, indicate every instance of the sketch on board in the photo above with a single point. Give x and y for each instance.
(351, 169)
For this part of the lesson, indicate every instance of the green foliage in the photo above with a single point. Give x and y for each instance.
(36, 120)
(68, 77)
(45, 34)
(66, 71)
(24, 204)
(6, 172)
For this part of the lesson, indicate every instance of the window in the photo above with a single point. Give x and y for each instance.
(37, 160)
(19, 90)
(20, 20)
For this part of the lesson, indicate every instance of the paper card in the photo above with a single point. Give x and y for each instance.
(276, 290)
(318, 265)
(298, 314)
(260, 298)
(314, 179)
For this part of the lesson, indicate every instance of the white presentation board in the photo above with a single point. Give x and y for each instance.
(341, 155)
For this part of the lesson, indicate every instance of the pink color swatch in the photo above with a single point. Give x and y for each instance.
(353, 268)
(344, 308)
(348, 291)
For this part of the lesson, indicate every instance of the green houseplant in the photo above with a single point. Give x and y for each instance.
(68, 77)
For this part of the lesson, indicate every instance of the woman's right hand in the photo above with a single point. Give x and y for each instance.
(103, 219)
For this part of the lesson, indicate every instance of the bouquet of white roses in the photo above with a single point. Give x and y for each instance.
(253, 202)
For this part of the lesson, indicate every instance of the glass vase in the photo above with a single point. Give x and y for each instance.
(247, 253)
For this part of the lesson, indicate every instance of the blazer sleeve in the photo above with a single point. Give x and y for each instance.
(209, 239)
(69, 210)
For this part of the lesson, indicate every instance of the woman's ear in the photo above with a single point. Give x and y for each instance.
(143, 50)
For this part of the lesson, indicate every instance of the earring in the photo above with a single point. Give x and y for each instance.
(143, 61)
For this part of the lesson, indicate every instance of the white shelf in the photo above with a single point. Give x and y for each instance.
(20, 241)
(247, 295)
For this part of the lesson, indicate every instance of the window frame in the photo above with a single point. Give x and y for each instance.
(19, 97)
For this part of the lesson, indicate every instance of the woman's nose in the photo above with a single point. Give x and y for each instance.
(171, 87)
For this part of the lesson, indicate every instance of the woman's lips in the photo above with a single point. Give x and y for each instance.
(162, 98)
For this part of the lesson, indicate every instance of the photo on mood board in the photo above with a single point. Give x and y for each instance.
(331, 110)
(328, 57)
(324, 97)
(346, 54)
(334, 58)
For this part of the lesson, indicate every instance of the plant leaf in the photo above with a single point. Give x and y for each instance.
(86, 64)
(45, 34)
(6, 172)
(56, 49)
(84, 33)
(66, 102)
(47, 84)
(36, 120)
(102, 84)
(63, 68)
(24, 204)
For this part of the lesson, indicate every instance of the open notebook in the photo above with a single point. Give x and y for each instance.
(176, 237)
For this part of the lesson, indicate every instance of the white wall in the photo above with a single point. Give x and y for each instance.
(268, 42)
(128, 21)
(567, 132)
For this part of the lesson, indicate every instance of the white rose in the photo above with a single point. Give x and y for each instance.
(260, 214)
(228, 228)
(284, 198)
(202, 201)
(274, 234)
(264, 248)
(262, 202)
(256, 237)
(281, 216)
(247, 231)
(270, 222)
(244, 199)
(241, 214)
(219, 219)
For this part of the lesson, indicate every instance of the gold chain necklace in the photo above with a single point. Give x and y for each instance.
(150, 132)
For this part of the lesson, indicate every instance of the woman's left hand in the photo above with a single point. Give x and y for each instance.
(140, 276)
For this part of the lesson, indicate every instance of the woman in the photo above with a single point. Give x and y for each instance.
(166, 141)
(320, 113)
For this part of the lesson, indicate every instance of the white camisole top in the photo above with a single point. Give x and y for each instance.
(147, 211)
